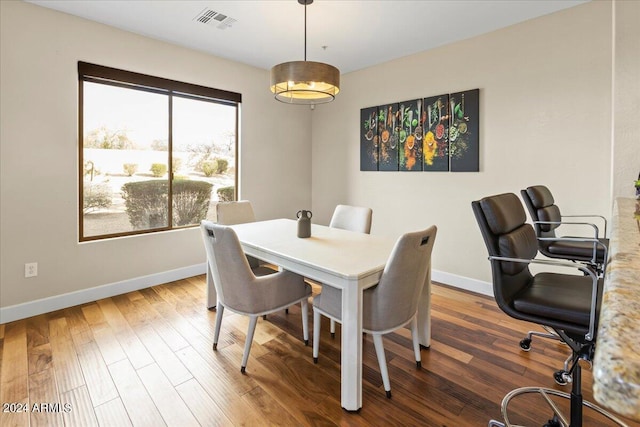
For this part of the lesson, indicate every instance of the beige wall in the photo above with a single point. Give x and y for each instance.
(545, 118)
(626, 98)
(39, 151)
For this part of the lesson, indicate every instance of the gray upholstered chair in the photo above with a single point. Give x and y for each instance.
(240, 212)
(392, 303)
(230, 213)
(352, 218)
(241, 291)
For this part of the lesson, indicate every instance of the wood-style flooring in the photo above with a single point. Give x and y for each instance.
(145, 359)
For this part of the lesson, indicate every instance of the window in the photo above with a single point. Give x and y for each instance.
(156, 154)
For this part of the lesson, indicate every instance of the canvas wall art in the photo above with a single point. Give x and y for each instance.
(410, 137)
(388, 131)
(433, 134)
(436, 137)
(464, 140)
(369, 139)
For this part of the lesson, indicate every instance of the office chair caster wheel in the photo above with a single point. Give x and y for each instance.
(562, 377)
(525, 344)
(554, 422)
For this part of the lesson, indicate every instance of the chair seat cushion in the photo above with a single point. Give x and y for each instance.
(577, 250)
(559, 297)
(329, 301)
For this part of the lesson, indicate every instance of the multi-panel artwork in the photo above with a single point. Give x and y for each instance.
(369, 139)
(437, 133)
(389, 132)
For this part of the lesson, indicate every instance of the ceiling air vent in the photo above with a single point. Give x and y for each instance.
(216, 19)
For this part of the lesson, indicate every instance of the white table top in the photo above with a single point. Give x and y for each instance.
(340, 253)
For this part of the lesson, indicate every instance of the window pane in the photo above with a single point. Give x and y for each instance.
(125, 160)
(156, 154)
(204, 153)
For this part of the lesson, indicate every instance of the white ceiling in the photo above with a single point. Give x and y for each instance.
(357, 34)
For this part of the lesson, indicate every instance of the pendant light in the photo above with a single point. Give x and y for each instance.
(305, 82)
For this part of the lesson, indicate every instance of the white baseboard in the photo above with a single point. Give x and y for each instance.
(46, 305)
(473, 285)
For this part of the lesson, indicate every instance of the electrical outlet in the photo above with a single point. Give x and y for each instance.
(31, 269)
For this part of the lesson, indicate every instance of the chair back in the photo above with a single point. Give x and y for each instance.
(541, 206)
(240, 212)
(394, 301)
(501, 219)
(230, 213)
(232, 274)
(352, 218)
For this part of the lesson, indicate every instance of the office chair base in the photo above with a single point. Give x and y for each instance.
(559, 418)
(562, 376)
(525, 343)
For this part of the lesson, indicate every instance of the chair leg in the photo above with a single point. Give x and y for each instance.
(212, 298)
(382, 362)
(333, 328)
(216, 332)
(304, 305)
(416, 341)
(316, 335)
(253, 320)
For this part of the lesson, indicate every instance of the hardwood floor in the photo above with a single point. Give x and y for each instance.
(145, 359)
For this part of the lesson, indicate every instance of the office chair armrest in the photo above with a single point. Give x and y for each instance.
(604, 220)
(596, 243)
(594, 284)
(595, 227)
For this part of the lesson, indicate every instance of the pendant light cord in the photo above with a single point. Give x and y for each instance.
(305, 31)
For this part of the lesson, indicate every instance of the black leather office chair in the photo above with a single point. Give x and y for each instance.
(546, 217)
(565, 303)
(591, 251)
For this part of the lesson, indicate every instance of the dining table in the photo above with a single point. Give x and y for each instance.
(347, 260)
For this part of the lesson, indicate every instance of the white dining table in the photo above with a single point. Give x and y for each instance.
(343, 259)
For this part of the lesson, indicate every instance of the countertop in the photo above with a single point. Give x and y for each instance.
(616, 363)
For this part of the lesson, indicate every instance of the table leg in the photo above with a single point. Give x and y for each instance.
(424, 312)
(351, 360)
